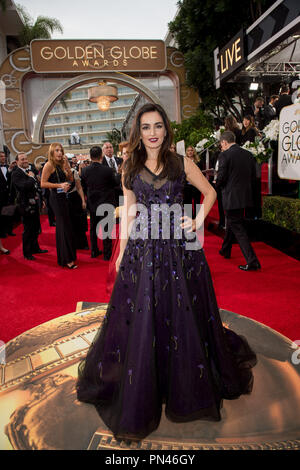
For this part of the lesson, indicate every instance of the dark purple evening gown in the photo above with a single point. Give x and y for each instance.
(162, 339)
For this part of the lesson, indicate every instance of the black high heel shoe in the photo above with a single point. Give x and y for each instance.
(73, 266)
(4, 251)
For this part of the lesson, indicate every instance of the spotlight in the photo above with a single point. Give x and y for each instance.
(253, 86)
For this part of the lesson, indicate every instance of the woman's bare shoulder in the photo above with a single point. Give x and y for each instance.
(49, 167)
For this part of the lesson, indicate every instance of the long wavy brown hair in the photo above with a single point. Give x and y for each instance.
(249, 118)
(51, 155)
(169, 161)
(230, 123)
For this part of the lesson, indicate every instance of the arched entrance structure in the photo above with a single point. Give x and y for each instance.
(81, 80)
(22, 129)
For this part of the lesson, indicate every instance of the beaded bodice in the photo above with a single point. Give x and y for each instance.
(159, 205)
(152, 189)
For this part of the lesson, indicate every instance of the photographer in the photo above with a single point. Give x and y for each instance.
(258, 112)
(285, 99)
(270, 109)
(27, 199)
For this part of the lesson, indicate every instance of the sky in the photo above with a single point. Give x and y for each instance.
(106, 19)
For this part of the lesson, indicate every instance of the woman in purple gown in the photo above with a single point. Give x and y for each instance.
(162, 340)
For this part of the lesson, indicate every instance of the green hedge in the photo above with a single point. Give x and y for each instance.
(282, 211)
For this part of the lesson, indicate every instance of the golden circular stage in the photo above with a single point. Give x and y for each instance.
(39, 409)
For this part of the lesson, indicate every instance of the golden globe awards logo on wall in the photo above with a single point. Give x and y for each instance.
(289, 143)
(52, 56)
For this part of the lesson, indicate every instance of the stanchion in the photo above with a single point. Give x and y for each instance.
(270, 171)
(207, 159)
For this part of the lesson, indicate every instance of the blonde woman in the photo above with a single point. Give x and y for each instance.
(192, 195)
(57, 176)
(191, 153)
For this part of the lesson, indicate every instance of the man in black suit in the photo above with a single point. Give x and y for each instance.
(99, 182)
(236, 179)
(27, 200)
(284, 99)
(5, 185)
(109, 159)
(270, 110)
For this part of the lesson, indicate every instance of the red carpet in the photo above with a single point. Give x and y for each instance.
(38, 291)
(268, 296)
(34, 292)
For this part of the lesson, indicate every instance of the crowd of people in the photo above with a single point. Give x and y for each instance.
(263, 112)
(254, 120)
(151, 275)
(69, 190)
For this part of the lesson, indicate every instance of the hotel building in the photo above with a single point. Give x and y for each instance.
(77, 114)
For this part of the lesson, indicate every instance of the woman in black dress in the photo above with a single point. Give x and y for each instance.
(162, 340)
(57, 176)
(192, 195)
(3, 250)
(249, 131)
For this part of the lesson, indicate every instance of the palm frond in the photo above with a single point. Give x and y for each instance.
(41, 28)
(51, 24)
(27, 19)
(3, 5)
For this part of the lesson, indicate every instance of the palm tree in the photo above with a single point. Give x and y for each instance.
(114, 137)
(41, 28)
(3, 5)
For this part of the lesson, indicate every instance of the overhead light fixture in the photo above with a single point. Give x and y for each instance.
(253, 86)
(103, 103)
(103, 95)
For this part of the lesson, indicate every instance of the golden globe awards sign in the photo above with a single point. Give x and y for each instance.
(53, 56)
(289, 143)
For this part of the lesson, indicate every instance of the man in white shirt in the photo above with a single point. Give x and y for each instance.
(109, 158)
(270, 110)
